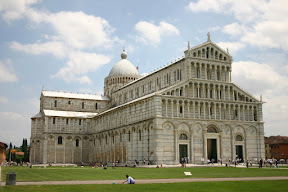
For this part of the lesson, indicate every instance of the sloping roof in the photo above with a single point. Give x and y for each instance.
(75, 95)
(54, 113)
(38, 115)
(276, 140)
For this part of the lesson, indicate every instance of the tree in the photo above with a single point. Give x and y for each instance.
(24, 148)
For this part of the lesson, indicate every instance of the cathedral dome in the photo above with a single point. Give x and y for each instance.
(124, 68)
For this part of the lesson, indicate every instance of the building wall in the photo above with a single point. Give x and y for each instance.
(62, 104)
(2, 155)
(186, 97)
(279, 151)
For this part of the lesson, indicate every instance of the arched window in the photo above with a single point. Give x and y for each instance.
(239, 138)
(211, 130)
(198, 72)
(59, 140)
(55, 103)
(218, 75)
(96, 105)
(129, 134)
(82, 105)
(139, 135)
(77, 142)
(181, 109)
(255, 116)
(183, 136)
(208, 74)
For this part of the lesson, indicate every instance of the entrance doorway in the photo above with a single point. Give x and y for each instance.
(239, 152)
(183, 152)
(212, 149)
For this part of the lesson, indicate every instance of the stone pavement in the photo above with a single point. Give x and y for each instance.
(146, 181)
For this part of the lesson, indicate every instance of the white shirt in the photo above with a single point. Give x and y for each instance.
(130, 180)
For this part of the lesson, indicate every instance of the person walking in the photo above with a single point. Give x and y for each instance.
(129, 180)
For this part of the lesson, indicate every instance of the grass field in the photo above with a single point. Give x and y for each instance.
(88, 173)
(243, 186)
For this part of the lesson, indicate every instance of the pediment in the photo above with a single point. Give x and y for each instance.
(208, 50)
(179, 90)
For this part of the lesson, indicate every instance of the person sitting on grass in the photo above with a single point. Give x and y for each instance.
(129, 180)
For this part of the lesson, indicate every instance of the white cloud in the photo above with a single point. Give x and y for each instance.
(74, 32)
(13, 9)
(151, 33)
(34, 104)
(3, 100)
(79, 64)
(270, 34)
(232, 46)
(258, 79)
(234, 29)
(244, 10)
(80, 30)
(275, 115)
(57, 49)
(11, 116)
(7, 72)
(261, 23)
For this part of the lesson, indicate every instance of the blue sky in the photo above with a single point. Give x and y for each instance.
(71, 45)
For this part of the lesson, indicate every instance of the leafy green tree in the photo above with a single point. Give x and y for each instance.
(24, 149)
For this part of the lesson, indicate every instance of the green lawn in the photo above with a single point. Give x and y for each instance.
(243, 186)
(88, 173)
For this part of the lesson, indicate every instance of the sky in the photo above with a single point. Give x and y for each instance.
(71, 45)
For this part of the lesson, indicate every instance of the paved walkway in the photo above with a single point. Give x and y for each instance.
(145, 181)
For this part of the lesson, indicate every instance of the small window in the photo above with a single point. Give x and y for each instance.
(55, 103)
(54, 120)
(77, 142)
(59, 140)
(239, 138)
(82, 105)
(129, 134)
(69, 102)
(67, 121)
(96, 105)
(79, 121)
(181, 109)
(183, 136)
(139, 135)
(211, 130)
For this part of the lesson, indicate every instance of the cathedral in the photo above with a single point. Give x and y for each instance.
(186, 109)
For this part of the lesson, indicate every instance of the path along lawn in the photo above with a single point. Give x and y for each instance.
(89, 173)
(243, 186)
